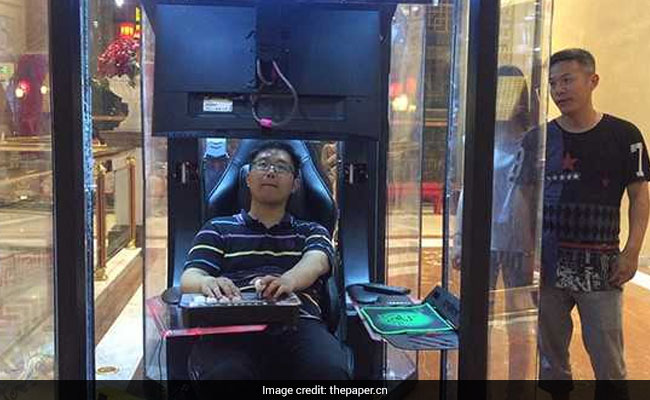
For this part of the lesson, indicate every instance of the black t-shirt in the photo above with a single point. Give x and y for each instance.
(585, 177)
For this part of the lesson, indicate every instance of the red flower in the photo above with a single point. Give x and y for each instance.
(120, 58)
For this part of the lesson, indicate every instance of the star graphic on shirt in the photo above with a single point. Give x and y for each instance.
(569, 163)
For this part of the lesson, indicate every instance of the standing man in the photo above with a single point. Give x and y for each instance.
(591, 160)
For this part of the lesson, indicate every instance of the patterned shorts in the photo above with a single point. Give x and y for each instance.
(585, 270)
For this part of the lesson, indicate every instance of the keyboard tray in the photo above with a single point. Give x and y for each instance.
(199, 311)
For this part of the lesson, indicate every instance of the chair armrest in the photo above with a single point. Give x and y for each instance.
(332, 314)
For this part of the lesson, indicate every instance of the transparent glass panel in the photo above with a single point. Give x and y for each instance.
(516, 205)
(156, 221)
(114, 62)
(156, 238)
(455, 159)
(617, 37)
(26, 200)
(436, 99)
(404, 164)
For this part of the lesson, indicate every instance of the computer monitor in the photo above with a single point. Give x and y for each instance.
(212, 61)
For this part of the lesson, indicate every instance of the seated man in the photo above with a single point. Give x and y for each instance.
(286, 255)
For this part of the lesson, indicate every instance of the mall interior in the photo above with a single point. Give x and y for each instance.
(144, 165)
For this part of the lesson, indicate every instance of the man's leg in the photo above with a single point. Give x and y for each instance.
(602, 332)
(225, 359)
(312, 352)
(518, 277)
(555, 330)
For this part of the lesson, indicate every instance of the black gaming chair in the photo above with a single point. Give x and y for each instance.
(313, 201)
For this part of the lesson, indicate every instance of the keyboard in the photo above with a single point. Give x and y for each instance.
(201, 311)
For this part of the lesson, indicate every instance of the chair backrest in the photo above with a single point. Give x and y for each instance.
(312, 201)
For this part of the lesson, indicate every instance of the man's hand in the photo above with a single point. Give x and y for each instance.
(220, 288)
(628, 261)
(625, 268)
(272, 287)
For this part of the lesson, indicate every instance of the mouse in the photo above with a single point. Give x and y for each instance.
(359, 294)
(171, 295)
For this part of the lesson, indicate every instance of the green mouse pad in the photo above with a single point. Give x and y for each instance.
(411, 319)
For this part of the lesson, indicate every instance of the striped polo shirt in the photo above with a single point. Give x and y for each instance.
(241, 248)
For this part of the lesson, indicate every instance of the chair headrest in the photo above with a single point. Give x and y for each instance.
(312, 201)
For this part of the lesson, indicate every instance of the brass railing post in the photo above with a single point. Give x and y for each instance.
(100, 215)
(130, 161)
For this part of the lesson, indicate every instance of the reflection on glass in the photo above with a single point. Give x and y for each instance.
(404, 164)
(156, 240)
(115, 69)
(455, 159)
(514, 282)
(513, 227)
(436, 100)
(515, 218)
(26, 264)
(156, 221)
(455, 146)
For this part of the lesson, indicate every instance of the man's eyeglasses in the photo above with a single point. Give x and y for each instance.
(280, 168)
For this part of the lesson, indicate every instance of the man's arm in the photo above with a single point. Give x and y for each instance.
(203, 266)
(628, 262)
(312, 265)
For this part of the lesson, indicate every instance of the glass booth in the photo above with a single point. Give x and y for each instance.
(397, 180)
(404, 110)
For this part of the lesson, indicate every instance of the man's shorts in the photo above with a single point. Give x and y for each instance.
(585, 270)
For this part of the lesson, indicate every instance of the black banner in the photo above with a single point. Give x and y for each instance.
(385, 390)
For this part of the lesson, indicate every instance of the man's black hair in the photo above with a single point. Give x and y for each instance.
(581, 56)
(277, 145)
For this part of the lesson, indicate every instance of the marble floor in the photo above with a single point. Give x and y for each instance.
(523, 363)
(118, 354)
(121, 346)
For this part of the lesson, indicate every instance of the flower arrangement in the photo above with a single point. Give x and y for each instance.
(118, 59)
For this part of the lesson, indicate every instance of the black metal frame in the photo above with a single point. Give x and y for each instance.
(477, 200)
(186, 199)
(73, 277)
